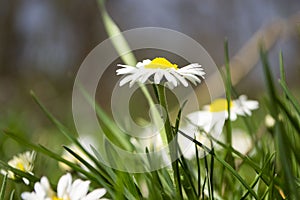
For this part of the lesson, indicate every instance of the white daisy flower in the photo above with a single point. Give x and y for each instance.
(241, 106)
(212, 117)
(24, 162)
(161, 70)
(66, 190)
(211, 120)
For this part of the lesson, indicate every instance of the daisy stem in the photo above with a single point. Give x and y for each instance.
(170, 137)
(228, 84)
(228, 93)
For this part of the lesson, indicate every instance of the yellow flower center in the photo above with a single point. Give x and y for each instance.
(219, 105)
(56, 198)
(161, 63)
(21, 166)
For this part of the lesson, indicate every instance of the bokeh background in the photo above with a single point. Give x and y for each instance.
(43, 42)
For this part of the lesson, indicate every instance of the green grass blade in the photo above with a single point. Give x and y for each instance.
(259, 175)
(119, 42)
(294, 121)
(155, 181)
(121, 45)
(224, 163)
(198, 172)
(47, 152)
(283, 146)
(66, 133)
(102, 178)
(18, 172)
(228, 84)
(11, 197)
(281, 65)
(3, 187)
(290, 96)
(119, 137)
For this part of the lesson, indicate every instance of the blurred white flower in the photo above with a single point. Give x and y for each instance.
(86, 142)
(269, 121)
(187, 146)
(153, 143)
(66, 190)
(212, 116)
(160, 69)
(24, 162)
(210, 121)
(241, 141)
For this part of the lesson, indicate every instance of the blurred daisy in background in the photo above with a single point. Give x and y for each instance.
(66, 190)
(241, 106)
(218, 111)
(24, 162)
(209, 122)
(160, 70)
(241, 141)
(86, 141)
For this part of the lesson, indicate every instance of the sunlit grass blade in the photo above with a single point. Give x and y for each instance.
(245, 159)
(198, 172)
(189, 186)
(228, 85)
(290, 96)
(3, 187)
(224, 163)
(121, 45)
(280, 133)
(49, 153)
(112, 30)
(260, 174)
(155, 181)
(119, 137)
(67, 133)
(11, 197)
(294, 121)
(208, 177)
(106, 179)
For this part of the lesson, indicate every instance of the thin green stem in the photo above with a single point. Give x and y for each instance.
(170, 137)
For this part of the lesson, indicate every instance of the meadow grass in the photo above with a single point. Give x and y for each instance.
(269, 170)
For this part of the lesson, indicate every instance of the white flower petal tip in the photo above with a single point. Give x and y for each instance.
(160, 71)
(66, 189)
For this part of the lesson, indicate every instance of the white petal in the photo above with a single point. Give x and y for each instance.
(64, 185)
(233, 116)
(147, 75)
(79, 189)
(26, 181)
(252, 105)
(180, 78)
(39, 190)
(192, 78)
(126, 80)
(199, 118)
(125, 70)
(143, 63)
(171, 78)
(96, 194)
(158, 76)
(137, 76)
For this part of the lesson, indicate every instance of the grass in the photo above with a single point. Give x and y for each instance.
(270, 170)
